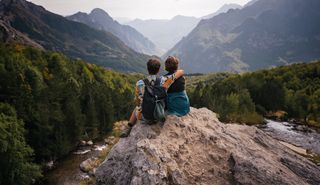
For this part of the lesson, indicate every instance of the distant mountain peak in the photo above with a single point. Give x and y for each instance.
(182, 17)
(251, 3)
(81, 13)
(136, 19)
(223, 9)
(230, 5)
(101, 15)
(101, 20)
(100, 12)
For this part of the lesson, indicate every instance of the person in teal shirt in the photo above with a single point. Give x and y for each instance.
(177, 101)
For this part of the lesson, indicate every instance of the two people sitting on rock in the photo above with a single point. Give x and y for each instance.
(157, 94)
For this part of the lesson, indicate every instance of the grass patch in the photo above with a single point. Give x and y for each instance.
(90, 181)
(314, 123)
(314, 158)
(246, 118)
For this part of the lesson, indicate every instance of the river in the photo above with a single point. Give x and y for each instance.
(297, 135)
(67, 171)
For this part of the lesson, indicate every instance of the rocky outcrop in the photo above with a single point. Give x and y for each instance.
(10, 35)
(198, 149)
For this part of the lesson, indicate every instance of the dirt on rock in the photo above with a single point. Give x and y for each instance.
(199, 149)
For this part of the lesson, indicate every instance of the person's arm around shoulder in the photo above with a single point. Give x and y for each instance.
(169, 80)
(178, 73)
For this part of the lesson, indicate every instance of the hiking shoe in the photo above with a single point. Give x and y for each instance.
(126, 132)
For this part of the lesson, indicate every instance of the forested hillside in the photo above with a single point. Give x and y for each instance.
(246, 98)
(29, 24)
(50, 102)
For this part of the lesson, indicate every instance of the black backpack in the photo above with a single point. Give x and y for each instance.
(154, 101)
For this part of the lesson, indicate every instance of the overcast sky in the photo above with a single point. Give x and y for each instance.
(143, 9)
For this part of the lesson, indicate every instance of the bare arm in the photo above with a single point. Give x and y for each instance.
(179, 73)
(169, 80)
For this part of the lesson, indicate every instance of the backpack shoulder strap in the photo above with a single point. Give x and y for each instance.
(146, 82)
(148, 86)
(158, 81)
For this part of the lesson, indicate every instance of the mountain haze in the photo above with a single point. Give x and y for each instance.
(33, 25)
(165, 33)
(122, 20)
(264, 34)
(99, 19)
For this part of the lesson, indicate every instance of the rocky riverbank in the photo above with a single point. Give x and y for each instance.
(79, 166)
(301, 138)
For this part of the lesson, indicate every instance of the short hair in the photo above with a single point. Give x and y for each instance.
(153, 66)
(172, 64)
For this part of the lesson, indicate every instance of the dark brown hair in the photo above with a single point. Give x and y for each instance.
(172, 64)
(153, 66)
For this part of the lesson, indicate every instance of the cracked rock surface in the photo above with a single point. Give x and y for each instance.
(198, 149)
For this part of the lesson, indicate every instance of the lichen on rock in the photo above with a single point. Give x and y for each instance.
(199, 149)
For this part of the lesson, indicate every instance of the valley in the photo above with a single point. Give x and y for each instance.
(167, 33)
(252, 76)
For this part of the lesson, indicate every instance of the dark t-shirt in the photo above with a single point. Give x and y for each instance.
(178, 85)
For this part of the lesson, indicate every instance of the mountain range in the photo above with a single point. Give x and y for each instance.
(263, 34)
(166, 33)
(101, 20)
(26, 23)
(223, 9)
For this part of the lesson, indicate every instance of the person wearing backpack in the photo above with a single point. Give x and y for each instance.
(151, 96)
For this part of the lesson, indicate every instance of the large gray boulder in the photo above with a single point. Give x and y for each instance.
(198, 149)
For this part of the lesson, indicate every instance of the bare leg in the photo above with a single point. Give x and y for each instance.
(132, 121)
(133, 118)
